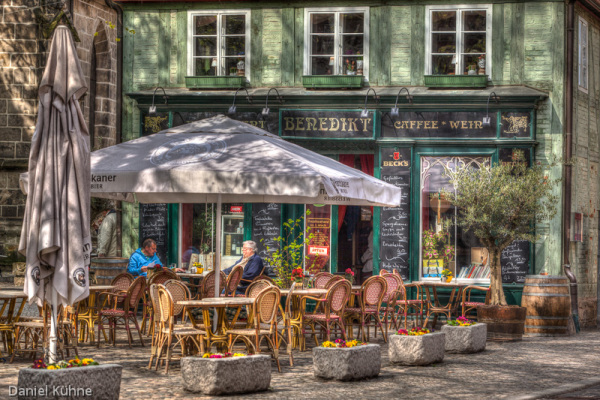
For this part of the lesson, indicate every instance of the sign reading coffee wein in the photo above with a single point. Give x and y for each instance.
(327, 124)
(442, 124)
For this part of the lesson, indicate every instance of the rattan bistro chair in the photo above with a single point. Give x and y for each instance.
(190, 339)
(207, 287)
(394, 289)
(265, 309)
(321, 279)
(126, 313)
(334, 306)
(467, 304)
(159, 277)
(233, 280)
(371, 296)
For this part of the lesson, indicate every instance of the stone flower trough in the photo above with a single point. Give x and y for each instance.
(465, 339)
(347, 363)
(417, 350)
(93, 382)
(214, 376)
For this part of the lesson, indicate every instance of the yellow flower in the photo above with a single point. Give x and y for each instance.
(206, 355)
(51, 367)
(239, 355)
(328, 344)
(87, 360)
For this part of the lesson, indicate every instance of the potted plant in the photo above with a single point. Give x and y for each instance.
(472, 69)
(446, 275)
(227, 373)
(419, 346)
(75, 378)
(464, 335)
(288, 253)
(349, 275)
(437, 252)
(233, 71)
(350, 67)
(359, 64)
(346, 360)
(298, 275)
(481, 65)
(241, 64)
(501, 204)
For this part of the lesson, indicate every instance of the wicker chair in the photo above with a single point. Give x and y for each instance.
(394, 289)
(262, 277)
(159, 277)
(154, 322)
(207, 287)
(467, 304)
(334, 305)
(404, 304)
(321, 279)
(371, 296)
(233, 280)
(127, 313)
(185, 336)
(383, 272)
(265, 309)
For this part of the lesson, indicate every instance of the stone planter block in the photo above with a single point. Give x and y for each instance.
(91, 382)
(230, 375)
(417, 350)
(347, 364)
(465, 339)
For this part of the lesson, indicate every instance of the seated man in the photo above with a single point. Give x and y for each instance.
(252, 263)
(142, 257)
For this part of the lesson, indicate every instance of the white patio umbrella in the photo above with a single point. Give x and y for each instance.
(219, 160)
(55, 238)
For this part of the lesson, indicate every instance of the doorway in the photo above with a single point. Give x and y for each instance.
(355, 225)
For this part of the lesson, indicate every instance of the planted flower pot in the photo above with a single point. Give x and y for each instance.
(465, 339)
(93, 382)
(229, 375)
(347, 363)
(417, 350)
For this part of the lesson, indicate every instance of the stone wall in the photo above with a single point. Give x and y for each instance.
(22, 58)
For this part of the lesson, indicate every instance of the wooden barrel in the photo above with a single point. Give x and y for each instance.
(107, 268)
(548, 302)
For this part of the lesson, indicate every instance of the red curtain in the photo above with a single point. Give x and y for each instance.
(346, 159)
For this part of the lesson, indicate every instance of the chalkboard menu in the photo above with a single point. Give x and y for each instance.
(266, 227)
(395, 221)
(514, 262)
(153, 225)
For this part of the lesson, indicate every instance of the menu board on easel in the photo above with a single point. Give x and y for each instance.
(395, 221)
(266, 227)
(153, 225)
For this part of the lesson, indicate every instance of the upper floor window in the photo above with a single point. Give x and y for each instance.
(219, 43)
(583, 54)
(336, 41)
(458, 40)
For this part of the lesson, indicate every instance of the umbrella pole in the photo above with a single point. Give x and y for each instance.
(217, 259)
(53, 324)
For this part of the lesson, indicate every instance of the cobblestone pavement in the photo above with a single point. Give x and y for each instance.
(525, 369)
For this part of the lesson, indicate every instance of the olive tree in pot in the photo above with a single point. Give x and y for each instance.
(501, 204)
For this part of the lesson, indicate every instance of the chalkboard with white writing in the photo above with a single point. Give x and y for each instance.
(395, 221)
(153, 225)
(514, 262)
(266, 227)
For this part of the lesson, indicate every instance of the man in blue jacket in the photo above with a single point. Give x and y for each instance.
(252, 263)
(142, 257)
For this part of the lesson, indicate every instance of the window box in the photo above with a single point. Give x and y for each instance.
(471, 81)
(215, 82)
(332, 81)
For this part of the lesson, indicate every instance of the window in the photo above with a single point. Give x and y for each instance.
(444, 244)
(458, 40)
(583, 54)
(336, 41)
(219, 43)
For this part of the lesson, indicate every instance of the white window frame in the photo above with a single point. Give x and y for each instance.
(583, 56)
(337, 46)
(459, 9)
(220, 41)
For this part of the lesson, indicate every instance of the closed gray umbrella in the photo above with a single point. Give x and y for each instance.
(55, 238)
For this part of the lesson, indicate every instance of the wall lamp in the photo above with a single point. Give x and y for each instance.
(233, 107)
(486, 119)
(152, 109)
(394, 111)
(365, 113)
(265, 111)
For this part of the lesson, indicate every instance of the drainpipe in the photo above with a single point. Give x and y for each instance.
(119, 115)
(568, 152)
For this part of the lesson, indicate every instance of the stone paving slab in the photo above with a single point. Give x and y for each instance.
(503, 370)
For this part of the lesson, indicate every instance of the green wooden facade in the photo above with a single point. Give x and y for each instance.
(528, 73)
